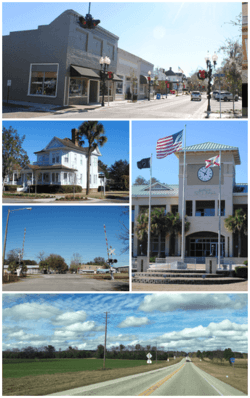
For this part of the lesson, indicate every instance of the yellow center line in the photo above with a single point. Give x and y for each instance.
(151, 389)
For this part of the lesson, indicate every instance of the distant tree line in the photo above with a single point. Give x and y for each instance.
(136, 352)
(219, 354)
(117, 174)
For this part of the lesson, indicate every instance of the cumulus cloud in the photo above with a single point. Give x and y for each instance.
(85, 327)
(187, 302)
(31, 311)
(70, 317)
(132, 321)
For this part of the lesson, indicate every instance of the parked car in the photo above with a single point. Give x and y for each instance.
(195, 95)
(215, 94)
(227, 96)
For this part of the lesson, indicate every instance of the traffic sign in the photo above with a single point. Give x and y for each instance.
(149, 361)
(232, 360)
(219, 74)
(149, 355)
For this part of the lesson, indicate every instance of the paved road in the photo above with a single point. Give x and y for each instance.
(182, 379)
(82, 202)
(64, 283)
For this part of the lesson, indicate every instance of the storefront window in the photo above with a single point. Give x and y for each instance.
(108, 89)
(119, 86)
(43, 83)
(78, 87)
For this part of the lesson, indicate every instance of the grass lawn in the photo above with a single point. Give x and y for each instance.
(49, 376)
(234, 376)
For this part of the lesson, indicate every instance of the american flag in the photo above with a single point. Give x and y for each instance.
(180, 70)
(168, 145)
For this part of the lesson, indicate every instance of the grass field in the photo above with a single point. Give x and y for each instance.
(49, 376)
(234, 376)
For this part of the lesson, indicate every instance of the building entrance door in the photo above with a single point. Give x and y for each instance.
(93, 95)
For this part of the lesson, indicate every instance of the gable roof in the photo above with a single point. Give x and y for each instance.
(67, 142)
(211, 147)
(157, 189)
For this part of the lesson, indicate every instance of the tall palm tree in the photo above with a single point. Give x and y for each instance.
(94, 135)
(176, 224)
(160, 225)
(237, 223)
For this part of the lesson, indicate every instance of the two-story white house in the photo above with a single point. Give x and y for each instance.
(63, 162)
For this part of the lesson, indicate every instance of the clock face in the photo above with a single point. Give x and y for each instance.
(205, 174)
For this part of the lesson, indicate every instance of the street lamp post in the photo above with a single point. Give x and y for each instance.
(6, 230)
(149, 79)
(209, 67)
(104, 62)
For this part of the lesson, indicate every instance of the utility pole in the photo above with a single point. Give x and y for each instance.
(105, 340)
(156, 353)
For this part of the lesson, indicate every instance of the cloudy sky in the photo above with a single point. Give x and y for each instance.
(187, 322)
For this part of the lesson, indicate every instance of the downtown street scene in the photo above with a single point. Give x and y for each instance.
(73, 66)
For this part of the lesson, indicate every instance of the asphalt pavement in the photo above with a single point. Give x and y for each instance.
(182, 379)
(172, 107)
(64, 283)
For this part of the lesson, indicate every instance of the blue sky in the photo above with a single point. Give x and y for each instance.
(188, 322)
(66, 230)
(163, 33)
(146, 133)
(38, 134)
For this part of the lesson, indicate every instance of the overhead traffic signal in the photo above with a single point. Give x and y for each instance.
(88, 22)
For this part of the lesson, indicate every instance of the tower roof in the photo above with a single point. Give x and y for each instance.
(213, 147)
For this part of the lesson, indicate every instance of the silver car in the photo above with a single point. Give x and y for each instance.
(226, 96)
(195, 95)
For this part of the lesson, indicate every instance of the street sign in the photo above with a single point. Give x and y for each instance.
(232, 360)
(149, 355)
(149, 361)
(219, 74)
(8, 83)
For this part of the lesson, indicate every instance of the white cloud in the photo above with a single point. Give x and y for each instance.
(132, 321)
(85, 327)
(70, 317)
(31, 311)
(171, 302)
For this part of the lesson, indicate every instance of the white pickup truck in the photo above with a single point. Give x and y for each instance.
(226, 96)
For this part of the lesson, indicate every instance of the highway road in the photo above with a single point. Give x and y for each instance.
(182, 379)
(64, 283)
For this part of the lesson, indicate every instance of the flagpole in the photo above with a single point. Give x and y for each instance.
(183, 202)
(149, 211)
(219, 232)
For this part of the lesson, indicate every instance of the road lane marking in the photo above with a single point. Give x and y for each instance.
(212, 386)
(154, 387)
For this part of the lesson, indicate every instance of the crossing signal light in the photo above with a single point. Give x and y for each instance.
(88, 22)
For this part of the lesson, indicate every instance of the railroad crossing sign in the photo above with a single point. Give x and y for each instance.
(149, 355)
(111, 251)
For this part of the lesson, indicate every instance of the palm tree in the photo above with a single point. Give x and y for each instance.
(160, 225)
(141, 229)
(237, 224)
(94, 134)
(176, 224)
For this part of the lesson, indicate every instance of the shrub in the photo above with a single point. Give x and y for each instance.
(241, 272)
(245, 262)
(152, 259)
(10, 188)
(56, 188)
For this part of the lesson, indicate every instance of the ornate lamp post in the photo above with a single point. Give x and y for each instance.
(149, 80)
(209, 67)
(104, 62)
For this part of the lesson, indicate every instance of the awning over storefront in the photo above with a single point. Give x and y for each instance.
(76, 71)
(143, 79)
(117, 79)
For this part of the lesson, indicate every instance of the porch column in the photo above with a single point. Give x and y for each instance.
(13, 179)
(135, 237)
(50, 177)
(231, 245)
(32, 178)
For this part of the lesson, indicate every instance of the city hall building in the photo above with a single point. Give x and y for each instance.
(201, 205)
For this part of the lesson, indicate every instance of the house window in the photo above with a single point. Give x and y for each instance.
(66, 158)
(78, 87)
(65, 176)
(108, 88)
(53, 158)
(75, 158)
(81, 159)
(53, 177)
(205, 208)
(57, 177)
(43, 80)
(57, 159)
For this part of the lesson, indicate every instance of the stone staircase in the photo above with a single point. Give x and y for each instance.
(193, 277)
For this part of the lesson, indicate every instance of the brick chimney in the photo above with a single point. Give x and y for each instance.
(74, 138)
